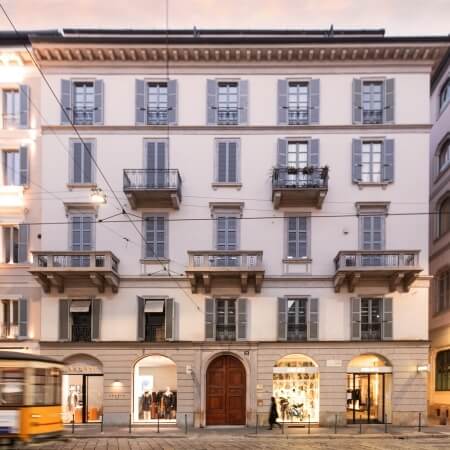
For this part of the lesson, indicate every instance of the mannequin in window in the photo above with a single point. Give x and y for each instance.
(168, 402)
(146, 405)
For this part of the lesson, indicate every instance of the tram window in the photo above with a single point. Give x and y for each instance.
(11, 387)
(39, 387)
(47, 387)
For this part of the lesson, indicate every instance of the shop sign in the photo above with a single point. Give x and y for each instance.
(259, 388)
(82, 370)
(9, 422)
(334, 362)
(114, 396)
(381, 369)
(295, 370)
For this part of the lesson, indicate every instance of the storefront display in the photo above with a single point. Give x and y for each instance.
(296, 389)
(155, 395)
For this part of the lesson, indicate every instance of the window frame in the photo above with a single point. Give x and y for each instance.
(442, 291)
(74, 84)
(226, 141)
(445, 201)
(444, 91)
(371, 143)
(158, 84)
(298, 300)
(439, 385)
(444, 149)
(17, 170)
(13, 319)
(307, 217)
(228, 83)
(299, 83)
(370, 321)
(82, 183)
(14, 120)
(13, 254)
(228, 301)
(373, 82)
(155, 257)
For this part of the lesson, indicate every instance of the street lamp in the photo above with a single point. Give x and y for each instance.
(98, 196)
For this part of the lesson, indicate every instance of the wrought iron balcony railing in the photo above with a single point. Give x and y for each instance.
(300, 178)
(157, 116)
(81, 333)
(83, 115)
(371, 331)
(148, 179)
(225, 332)
(298, 116)
(227, 116)
(372, 116)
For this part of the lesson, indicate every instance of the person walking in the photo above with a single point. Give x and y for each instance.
(273, 414)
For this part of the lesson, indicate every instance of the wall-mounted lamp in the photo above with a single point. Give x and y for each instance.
(188, 370)
(116, 383)
(98, 196)
(423, 368)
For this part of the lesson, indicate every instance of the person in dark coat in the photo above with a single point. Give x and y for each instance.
(273, 414)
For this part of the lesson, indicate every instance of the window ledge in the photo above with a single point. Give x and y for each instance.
(14, 265)
(217, 185)
(81, 185)
(297, 260)
(382, 184)
(150, 261)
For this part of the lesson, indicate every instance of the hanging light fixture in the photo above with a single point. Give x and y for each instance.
(98, 196)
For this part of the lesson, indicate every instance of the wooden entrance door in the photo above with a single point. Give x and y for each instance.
(225, 392)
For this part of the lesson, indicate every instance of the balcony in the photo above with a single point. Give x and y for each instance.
(372, 116)
(239, 265)
(83, 115)
(157, 116)
(227, 116)
(76, 269)
(9, 331)
(148, 188)
(293, 187)
(393, 268)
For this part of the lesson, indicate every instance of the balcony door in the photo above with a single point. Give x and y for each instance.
(227, 239)
(82, 227)
(156, 165)
(372, 238)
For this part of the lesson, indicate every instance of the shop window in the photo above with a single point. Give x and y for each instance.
(155, 390)
(296, 389)
(443, 371)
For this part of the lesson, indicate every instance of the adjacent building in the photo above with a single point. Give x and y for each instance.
(439, 387)
(256, 237)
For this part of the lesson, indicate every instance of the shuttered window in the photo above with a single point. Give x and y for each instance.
(297, 237)
(157, 103)
(227, 162)
(155, 236)
(83, 103)
(11, 108)
(372, 232)
(373, 101)
(227, 103)
(298, 318)
(13, 319)
(81, 166)
(371, 319)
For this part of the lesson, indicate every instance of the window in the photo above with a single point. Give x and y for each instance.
(227, 162)
(298, 103)
(225, 320)
(372, 231)
(444, 96)
(12, 387)
(83, 102)
(227, 239)
(442, 285)
(297, 319)
(79, 320)
(80, 315)
(82, 169)
(371, 162)
(372, 101)
(82, 238)
(47, 387)
(11, 168)
(155, 230)
(297, 237)
(444, 157)
(11, 244)
(444, 217)
(371, 318)
(227, 103)
(10, 319)
(443, 371)
(11, 108)
(155, 321)
(157, 103)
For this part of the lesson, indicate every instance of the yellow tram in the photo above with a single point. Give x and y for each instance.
(30, 396)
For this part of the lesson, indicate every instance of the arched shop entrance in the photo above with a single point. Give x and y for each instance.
(82, 389)
(225, 392)
(155, 390)
(296, 389)
(369, 390)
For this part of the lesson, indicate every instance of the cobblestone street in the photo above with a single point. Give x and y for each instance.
(266, 443)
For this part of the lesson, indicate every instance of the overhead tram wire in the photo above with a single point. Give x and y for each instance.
(123, 211)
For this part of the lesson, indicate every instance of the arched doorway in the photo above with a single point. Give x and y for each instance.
(369, 389)
(225, 392)
(82, 389)
(155, 390)
(296, 388)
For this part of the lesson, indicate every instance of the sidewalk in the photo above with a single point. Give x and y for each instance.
(349, 431)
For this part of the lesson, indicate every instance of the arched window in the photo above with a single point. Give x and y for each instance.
(443, 291)
(444, 217)
(443, 371)
(444, 156)
(444, 96)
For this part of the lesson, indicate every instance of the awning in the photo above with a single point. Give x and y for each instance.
(80, 305)
(154, 306)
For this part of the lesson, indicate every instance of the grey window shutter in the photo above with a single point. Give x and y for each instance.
(141, 319)
(388, 160)
(66, 101)
(282, 318)
(211, 102)
(357, 101)
(282, 152)
(242, 307)
(88, 232)
(232, 162)
(24, 235)
(24, 102)
(355, 318)
(98, 102)
(389, 100)
(313, 153)
(141, 103)
(387, 318)
(210, 319)
(77, 162)
(243, 102)
(96, 308)
(282, 102)
(313, 319)
(222, 162)
(23, 318)
(87, 162)
(314, 87)
(75, 234)
(24, 165)
(151, 155)
(356, 160)
(170, 319)
(64, 307)
(172, 101)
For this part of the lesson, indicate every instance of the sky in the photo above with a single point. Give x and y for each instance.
(398, 17)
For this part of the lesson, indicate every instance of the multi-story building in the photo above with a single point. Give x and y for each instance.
(262, 188)
(439, 387)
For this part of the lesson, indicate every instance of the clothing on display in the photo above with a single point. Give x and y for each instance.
(158, 404)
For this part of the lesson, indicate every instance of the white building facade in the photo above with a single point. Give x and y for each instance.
(257, 236)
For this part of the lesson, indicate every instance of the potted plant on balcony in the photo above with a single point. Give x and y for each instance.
(292, 170)
(308, 170)
(324, 173)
